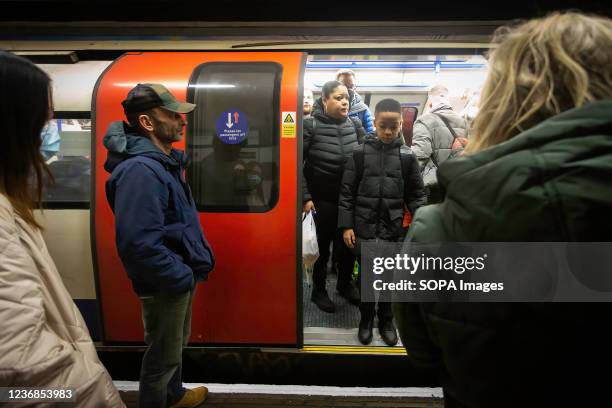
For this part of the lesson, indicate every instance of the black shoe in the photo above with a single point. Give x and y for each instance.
(388, 332)
(350, 293)
(322, 300)
(365, 331)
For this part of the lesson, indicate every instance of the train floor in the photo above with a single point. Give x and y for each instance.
(333, 329)
(278, 396)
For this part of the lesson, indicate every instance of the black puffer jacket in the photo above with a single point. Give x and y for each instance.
(373, 206)
(328, 143)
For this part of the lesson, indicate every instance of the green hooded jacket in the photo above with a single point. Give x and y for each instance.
(552, 182)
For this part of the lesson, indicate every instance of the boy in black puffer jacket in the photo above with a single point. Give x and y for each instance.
(372, 200)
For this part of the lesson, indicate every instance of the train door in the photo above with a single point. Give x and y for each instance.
(244, 142)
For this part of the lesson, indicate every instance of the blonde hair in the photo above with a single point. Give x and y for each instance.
(542, 68)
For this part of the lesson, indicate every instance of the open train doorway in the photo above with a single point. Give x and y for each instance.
(407, 79)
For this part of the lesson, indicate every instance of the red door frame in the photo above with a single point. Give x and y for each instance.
(253, 295)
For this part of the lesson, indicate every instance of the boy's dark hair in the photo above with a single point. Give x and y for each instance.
(388, 105)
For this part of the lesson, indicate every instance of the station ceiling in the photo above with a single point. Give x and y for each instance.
(308, 25)
(286, 10)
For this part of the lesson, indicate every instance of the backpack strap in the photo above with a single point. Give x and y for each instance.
(451, 130)
(404, 163)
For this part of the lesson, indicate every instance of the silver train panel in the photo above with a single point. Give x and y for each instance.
(66, 233)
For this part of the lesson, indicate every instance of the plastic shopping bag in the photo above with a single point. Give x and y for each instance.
(310, 247)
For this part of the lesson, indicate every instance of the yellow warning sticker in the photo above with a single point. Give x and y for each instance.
(289, 126)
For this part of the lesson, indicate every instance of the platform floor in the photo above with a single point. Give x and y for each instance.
(277, 396)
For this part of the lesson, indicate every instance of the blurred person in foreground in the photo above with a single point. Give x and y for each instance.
(537, 169)
(44, 341)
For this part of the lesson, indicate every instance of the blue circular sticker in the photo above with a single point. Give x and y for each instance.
(232, 127)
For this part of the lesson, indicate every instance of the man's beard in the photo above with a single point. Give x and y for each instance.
(170, 134)
(176, 137)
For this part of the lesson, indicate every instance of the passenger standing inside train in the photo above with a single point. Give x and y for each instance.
(51, 141)
(159, 238)
(329, 139)
(434, 136)
(537, 169)
(308, 102)
(44, 341)
(358, 108)
(380, 178)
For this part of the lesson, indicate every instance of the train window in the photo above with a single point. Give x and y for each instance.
(66, 147)
(233, 136)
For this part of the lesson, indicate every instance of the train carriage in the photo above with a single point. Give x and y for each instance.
(256, 296)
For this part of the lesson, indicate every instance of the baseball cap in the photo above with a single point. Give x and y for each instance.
(147, 96)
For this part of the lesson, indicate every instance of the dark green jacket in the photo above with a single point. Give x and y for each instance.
(550, 183)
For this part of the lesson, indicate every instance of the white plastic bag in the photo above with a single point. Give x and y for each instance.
(310, 247)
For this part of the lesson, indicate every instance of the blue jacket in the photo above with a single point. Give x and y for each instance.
(360, 110)
(158, 232)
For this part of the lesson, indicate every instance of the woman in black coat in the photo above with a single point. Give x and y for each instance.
(329, 139)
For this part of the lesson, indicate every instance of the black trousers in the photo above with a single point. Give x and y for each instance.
(326, 221)
(368, 309)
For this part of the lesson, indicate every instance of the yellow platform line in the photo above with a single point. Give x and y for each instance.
(354, 350)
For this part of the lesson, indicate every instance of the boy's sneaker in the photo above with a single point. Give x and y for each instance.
(192, 398)
(322, 300)
(350, 293)
(388, 332)
(365, 331)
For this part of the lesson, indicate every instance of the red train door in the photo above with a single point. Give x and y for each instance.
(243, 139)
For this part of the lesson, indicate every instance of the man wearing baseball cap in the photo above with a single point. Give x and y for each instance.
(158, 235)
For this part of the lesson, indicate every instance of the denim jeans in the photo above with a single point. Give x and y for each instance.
(167, 326)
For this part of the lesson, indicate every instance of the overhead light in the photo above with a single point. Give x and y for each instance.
(447, 64)
(406, 86)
